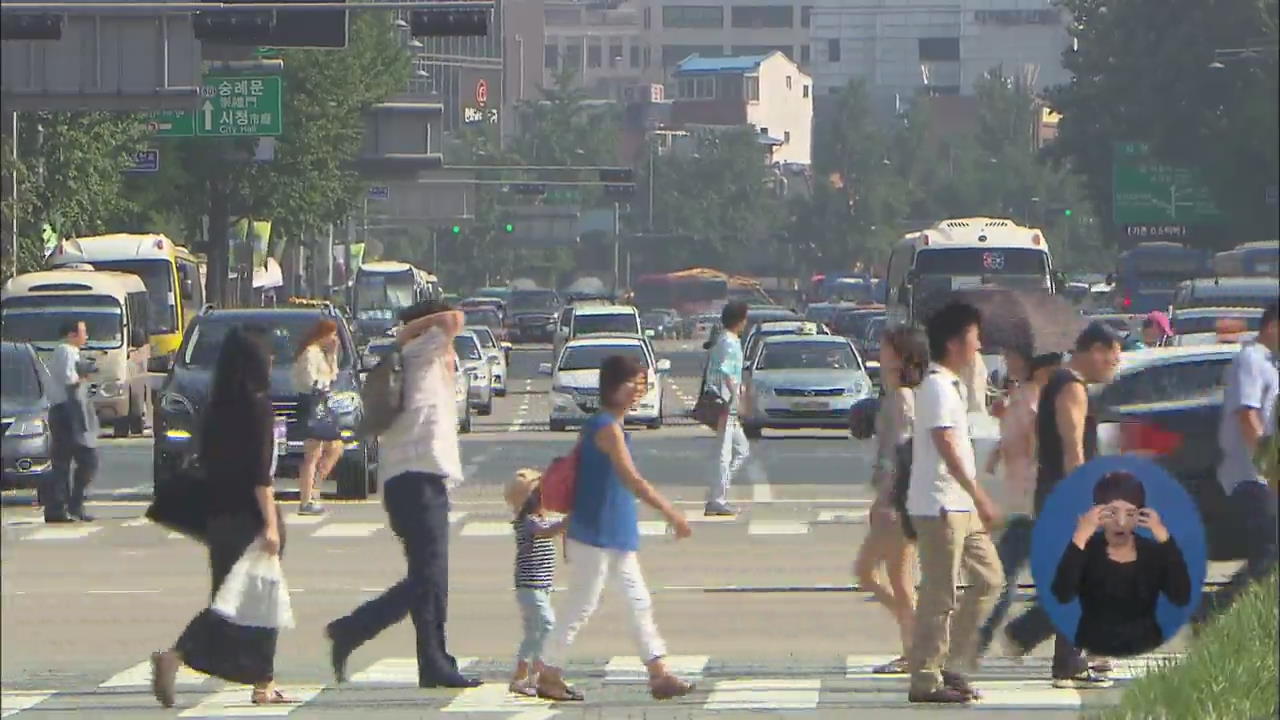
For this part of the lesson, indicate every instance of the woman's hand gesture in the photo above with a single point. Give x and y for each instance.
(1087, 525)
(1150, 519)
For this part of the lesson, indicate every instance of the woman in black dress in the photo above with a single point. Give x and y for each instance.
(1117, 574)
(237, 456)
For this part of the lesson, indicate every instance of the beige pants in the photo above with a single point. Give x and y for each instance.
(946, 631)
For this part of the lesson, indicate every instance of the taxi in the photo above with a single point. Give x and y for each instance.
(807, 380)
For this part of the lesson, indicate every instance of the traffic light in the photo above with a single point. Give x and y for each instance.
(617, 176)
(1066, 212)
(448, 22)
(508, 227)
(620, 192)
(456, 229)
(282, 28)
(538, 189)
(31, 27)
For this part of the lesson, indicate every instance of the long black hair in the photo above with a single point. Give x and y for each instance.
(238, 400)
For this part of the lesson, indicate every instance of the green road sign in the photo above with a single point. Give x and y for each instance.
(1145, 191)
(170, 123)
(239, 105)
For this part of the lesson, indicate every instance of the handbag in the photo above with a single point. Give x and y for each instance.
(901, 483)
(254, 593)
(182, 504)
(322, 421)
(709, 408)
(560, 481)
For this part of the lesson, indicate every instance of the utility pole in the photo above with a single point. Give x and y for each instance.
(13, 196)
(616, 242)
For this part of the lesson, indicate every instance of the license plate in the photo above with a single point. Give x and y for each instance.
(589, 403)
(810, 405)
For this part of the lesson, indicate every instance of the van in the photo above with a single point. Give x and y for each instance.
(115, 309)
(599, 320)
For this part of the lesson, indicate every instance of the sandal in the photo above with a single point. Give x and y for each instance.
(667, 687)
(271, 696)
(524, 686)
(560, 692)
(897, 666)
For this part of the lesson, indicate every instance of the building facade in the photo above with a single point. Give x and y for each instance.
(902, 48)
(768, 93)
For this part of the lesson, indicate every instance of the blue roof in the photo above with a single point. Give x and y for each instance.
(740, 64)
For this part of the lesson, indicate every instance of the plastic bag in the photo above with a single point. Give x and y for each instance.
(254, 593)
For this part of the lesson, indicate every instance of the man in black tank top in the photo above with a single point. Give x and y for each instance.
(1067, 437)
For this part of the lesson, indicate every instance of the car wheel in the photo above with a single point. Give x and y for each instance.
(486, 409)
(656, 424)
(557, 426)
(465, 427)
(752, 432)
(120, 427)
(161, 471)
(352, 475)
(500, 392)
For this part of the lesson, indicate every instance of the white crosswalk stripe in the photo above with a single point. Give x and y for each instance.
(69, 532)
(235, 701)
(348, 530)
(13, 702)
(777, 527)
(399, 671)
(765, 694)
(630, 669)
(492, 698)
(487, 529)
(140, 676)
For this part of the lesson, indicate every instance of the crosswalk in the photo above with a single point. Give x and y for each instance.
(1005, 684)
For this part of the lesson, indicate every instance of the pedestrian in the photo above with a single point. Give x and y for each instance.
(73, 427)
(951, 514)
(535, 568)
(604, 534)
(904, 359)
(315, 368)
(724, 376)
(238, 457)
(419, 453)
(1155, 332)
(1066, 437)
(1248, 419)
(1015, 458)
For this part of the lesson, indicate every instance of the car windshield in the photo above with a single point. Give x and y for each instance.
(380, 349)
(466, 347)
(807, 356)
(37, 319)
(485, 316)
(855, 324)
(21, 386)
(1170, 381)
(654, 318)
(533, 300)
(589, 357)
(822, 314)
(1216, 324)
(284, 332)
(157, 276)
(485, 337)
(381, 295)
(605, 324)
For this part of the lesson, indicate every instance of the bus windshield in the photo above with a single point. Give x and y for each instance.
(381, 295)
(982, 261)
(157, 275)
(37, 319)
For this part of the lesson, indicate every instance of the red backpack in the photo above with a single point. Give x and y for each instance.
(559, 481)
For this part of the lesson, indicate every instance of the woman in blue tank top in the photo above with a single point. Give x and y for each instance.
(603, 537)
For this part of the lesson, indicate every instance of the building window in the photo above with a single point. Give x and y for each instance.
(648, 56)
(833, 50)
(647, 16)
(804, 54)
(616, 58)
(551, 56)
(764, 131)
(573, 54)
(562, 17)
(788, 82)
(593, 56)
(635, 56)
(806, 91)
(786, 136)
(753, 89)
(702, 88)
(805, 13)
(763, 16)
(693, 16)
(939, 49)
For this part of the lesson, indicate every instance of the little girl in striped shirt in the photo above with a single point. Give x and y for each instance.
(535, 567)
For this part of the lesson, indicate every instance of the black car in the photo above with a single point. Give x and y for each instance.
(1166, 403)
(24, 417)
(186, 390)
(531, 315)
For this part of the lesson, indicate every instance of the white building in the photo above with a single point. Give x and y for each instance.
(941, 47)
(766, 92)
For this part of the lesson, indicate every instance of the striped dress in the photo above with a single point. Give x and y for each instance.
(535, 556)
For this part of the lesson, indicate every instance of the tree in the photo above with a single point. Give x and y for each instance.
(1142, 73)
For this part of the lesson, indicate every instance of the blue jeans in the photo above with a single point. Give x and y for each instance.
(1014, 549)
(537, 618)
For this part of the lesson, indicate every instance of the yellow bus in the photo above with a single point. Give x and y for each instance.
(171, 273)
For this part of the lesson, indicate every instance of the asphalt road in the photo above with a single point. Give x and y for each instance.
(758, 609)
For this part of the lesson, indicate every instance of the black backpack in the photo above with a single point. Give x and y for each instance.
(382, 395)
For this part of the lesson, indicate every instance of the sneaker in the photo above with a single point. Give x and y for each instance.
(719, 510)
(941, 695)
(311, 508)
(897, 666)
(960, 683)
(1086, 680)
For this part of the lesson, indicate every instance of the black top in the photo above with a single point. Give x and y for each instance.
(236, 454)
(1049, 437)
(1118, 600)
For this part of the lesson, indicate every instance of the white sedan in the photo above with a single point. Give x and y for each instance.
(479, 370)
(575, 380)
(496, 353)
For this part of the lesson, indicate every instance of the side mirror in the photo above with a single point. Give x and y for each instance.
(544, 368)
(160, 364)
(664, 365)
(137, 336)
(188, 287)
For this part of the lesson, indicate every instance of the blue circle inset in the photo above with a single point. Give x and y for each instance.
(1073, 496)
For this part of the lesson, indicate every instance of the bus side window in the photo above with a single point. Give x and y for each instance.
(189, 279)
(139, 319)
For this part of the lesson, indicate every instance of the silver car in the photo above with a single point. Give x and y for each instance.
(479, 369)
(497, 353)
(803, 381)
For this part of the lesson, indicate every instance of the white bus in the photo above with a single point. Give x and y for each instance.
(963, 253)
(385, 287)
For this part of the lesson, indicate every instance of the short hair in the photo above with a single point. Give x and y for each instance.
(69, 326)
(1270, 315)
(423, 309)
(616, 370)
(1046, 360)
(733, 314)
(1120, 485)
(1096, 333)
(952, 321)
(912, 349)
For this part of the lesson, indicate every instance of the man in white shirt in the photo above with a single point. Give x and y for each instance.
(418, 455)
(951, 514)
(73, 427)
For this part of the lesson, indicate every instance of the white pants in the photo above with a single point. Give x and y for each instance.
(733, 451)
(589, 569)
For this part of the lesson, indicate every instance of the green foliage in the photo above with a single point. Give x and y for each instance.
(1142, 72)
(1228, 673)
